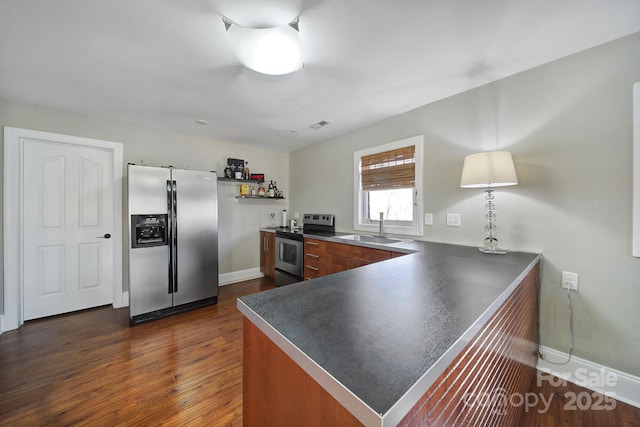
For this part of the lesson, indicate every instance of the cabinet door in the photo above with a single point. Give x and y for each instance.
(267, 254)
(341, 249)
(339, 263)
(271, 256)
(366, 256)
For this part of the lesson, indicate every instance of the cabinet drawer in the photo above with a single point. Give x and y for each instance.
(340, 249)
(308, 274)
(314, 265)
(313, 270)
(311, 257)
(369, 255)
(314, 246)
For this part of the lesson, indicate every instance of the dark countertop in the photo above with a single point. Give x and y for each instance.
(377, 336)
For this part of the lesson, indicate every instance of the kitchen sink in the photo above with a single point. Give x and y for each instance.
(372, 239)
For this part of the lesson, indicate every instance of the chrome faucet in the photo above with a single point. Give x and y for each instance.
(380, 233)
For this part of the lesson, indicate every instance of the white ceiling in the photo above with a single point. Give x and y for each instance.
(166, 63)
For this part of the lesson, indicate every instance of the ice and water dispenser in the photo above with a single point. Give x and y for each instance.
(148, 230)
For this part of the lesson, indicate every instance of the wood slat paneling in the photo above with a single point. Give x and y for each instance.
(499, 362)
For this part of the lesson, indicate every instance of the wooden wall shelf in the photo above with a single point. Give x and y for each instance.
(259, 197)
(240, 181)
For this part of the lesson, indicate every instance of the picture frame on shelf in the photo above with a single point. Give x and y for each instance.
(235, 164)
(235, 167)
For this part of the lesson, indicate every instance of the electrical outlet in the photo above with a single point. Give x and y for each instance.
(570, 280)
(453, 220)
(296, 215)
(428, 219)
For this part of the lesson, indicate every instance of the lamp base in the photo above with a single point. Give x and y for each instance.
(494, 251)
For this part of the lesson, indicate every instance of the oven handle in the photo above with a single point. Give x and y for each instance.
(280, 251)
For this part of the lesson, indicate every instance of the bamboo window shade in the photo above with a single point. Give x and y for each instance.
(389, 169)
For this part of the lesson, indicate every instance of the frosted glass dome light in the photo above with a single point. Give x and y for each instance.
(273, 51)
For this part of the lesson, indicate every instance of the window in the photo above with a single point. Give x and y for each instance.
(388, 179)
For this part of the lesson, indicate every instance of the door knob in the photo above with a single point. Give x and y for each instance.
(106, 236)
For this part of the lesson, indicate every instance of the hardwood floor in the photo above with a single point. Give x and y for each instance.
(562, 408)
(90, 368)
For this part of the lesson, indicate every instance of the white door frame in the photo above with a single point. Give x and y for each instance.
(12, 220)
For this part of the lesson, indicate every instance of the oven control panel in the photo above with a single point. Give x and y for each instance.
(319, 219)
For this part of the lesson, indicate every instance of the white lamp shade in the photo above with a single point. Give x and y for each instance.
(272, 51)
(488, 169)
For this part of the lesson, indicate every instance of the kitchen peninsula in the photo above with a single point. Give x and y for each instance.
(423, 338)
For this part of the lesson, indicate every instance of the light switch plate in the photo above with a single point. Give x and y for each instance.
(453, 220)
(428, 219)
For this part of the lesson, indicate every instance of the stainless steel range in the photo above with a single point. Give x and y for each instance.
(290, 246)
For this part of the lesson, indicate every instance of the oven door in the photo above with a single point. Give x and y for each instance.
(289, 256)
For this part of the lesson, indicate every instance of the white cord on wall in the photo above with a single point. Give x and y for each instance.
(570, 333)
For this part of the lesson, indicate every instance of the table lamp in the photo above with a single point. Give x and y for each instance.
(489, 170)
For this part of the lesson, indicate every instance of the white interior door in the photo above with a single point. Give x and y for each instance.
(68, 219)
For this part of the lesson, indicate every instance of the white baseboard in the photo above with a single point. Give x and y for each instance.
(602, 379)
(224, 279)
(240, 276)
(125, 299)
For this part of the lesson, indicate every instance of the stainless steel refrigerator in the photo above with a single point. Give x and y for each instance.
(173, 244)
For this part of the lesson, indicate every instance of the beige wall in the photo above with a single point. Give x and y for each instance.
(568, 124)
(238, 221)
(569, 127)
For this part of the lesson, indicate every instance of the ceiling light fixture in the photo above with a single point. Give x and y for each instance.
(273, 51)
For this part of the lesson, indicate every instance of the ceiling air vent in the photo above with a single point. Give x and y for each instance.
(319, 124)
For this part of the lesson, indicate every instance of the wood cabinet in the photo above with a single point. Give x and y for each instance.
(268, 254)
(278, 391)
(363, 256)
(322, 257)
(340, 257)
(339, 263)
(315, 258)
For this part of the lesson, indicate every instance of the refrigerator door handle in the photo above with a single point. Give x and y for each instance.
(170, 226)
(174, 216)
